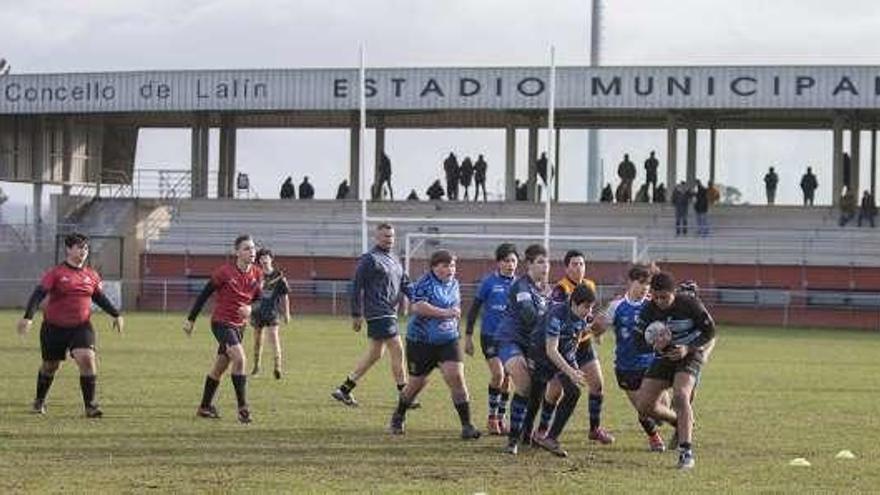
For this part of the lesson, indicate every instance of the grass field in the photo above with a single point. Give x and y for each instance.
(768, 396)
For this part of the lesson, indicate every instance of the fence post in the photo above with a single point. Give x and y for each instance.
(785, 311)
(334, 299)
(165, 295)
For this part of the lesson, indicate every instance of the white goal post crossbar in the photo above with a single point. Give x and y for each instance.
(410, 237)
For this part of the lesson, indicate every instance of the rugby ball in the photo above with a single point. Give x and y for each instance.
(655, 330)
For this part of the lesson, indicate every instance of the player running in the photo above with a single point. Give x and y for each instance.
(491, 298)
(526, 305)
(553, 356)
(575, 269)
(432, 341)
(72, 287)
(264, 315)
(682, 351)
(237, 285)
(631, 362)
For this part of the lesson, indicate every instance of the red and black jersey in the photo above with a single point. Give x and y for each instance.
(70, 292)
(235, 289)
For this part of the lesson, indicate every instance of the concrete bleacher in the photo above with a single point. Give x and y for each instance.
(740, 234)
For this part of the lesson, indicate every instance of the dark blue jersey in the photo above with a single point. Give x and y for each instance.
(431, 330)
(379, 285)
(492, 295)
(623, 314)
(686, 318)
(560, 322)
(526, 305)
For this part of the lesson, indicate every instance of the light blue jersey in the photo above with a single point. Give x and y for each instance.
(493, 295)
(623, 314)
(431, 330)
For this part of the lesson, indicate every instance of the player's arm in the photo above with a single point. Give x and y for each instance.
(472, 315)
(357, 292)
(551, 346)
(525, 307)
(101, 300)
(33, 303)
(202, 298)
(426, 309)
(706, 325)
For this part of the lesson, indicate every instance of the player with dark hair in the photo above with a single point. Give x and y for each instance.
(491, 297)
(526, 305)
(575, 270)
(432, 341)
(553, 356)
(237, 285)
(72, 287)
(682, 348)
(631, 362)
(264, 315)
(378, 288)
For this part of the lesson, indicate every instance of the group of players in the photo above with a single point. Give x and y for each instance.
(536, 337)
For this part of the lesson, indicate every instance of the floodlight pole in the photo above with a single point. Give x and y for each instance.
(551, 143)
(363, 136)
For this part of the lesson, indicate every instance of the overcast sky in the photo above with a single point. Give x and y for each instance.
(108, 35)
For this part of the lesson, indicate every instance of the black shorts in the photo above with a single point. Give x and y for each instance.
(664, 369)
(421, 358)
(585, 353)
(630, 380)
(382, 328)
(490, 346)
(264, 321)
(227, 336)
(56, 342)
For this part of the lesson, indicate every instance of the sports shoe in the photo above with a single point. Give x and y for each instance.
(601, 435)
(209, 412)
(686, 459)
(397, 426)
(512, 448)
(93, 411)
(345, 398)
(493, 426)
(469, 432)
(550, 445)
(38, 407)
(277, 373)
(244, 415)
(655, 443)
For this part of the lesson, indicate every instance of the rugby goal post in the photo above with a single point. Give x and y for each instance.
(623, 248)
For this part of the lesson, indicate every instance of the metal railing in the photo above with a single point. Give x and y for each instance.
(770, 307)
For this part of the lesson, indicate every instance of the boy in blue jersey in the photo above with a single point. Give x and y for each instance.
(491, 297)
(526, 305)
(588, 361)
(682, 350)
(432, 340)
(631, 362)
(553, 356)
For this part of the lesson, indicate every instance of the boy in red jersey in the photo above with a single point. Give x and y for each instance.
(237, 285)
(71, 287)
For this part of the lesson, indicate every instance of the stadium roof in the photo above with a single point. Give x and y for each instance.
(780, 96)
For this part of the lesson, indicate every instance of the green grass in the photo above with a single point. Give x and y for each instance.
(768, 396)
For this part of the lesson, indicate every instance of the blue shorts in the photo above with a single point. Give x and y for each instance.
(227, 336)
(509, 350)
(382, 328)
(490, 346)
